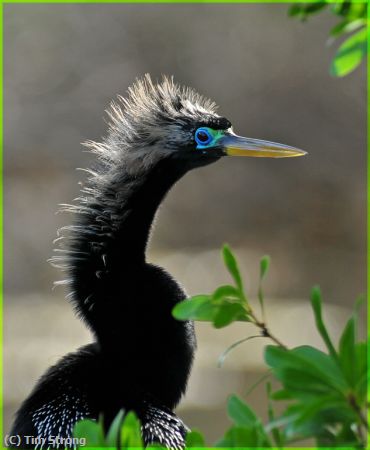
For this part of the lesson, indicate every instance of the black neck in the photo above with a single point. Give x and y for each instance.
(108, 244)
(125, 301)
(136, 207)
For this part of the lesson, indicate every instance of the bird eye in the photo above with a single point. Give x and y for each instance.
(203, 136)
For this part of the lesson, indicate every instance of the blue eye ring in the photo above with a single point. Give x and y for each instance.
(203, 136)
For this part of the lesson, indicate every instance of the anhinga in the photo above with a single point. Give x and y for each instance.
(141, 356)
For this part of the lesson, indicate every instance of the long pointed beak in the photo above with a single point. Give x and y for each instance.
(234, 145)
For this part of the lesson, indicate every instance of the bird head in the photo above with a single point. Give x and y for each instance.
(166, 121)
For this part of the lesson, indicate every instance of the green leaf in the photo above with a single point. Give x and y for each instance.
(356, 9)
(264, 266)
(338, 30)
(245, 419)
(321, 407)
(232, 265)
(314, 417)
(305, 369)
(229, 312)
(302, 385)
(226, 291)
(347, 438)
(360, 300)
(240, 413)
(323, 365)
(351, 10)
(238, 436)
(349, 54)
(347, 352)
(302, 10)
(346, 27)
(195, 439)
(199, 307)
(91, 431)
(313, 8)
(276, 434)
(112, 437)
(316, 306)
(306, 430)
(295, 10)
(282, 394)
(130, 432)
(360, 370)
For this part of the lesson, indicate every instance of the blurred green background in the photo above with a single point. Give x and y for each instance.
(269, 74)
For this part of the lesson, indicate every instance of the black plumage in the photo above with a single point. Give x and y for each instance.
(141, 356)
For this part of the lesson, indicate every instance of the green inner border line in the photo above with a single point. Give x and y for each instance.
(229, 2)
(368, 214)
(1, 232)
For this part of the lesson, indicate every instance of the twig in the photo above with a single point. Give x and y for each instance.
(222, 357)
(265, 331)
(352, 401)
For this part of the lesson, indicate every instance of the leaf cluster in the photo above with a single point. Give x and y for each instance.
(352, 25)
(324, 392)
(325, 395)
(228, 303)
(124, 433)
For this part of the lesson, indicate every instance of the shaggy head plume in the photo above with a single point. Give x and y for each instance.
(153, 121)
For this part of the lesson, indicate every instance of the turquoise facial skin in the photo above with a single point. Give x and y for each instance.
(213, 137)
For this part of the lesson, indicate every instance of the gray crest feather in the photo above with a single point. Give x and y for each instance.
(142, 117)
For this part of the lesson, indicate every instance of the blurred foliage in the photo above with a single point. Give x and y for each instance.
(124, 432)
(352, 25)
(323, 393)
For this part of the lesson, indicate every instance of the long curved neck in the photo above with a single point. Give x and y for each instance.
(125, 301)
(107, 243)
